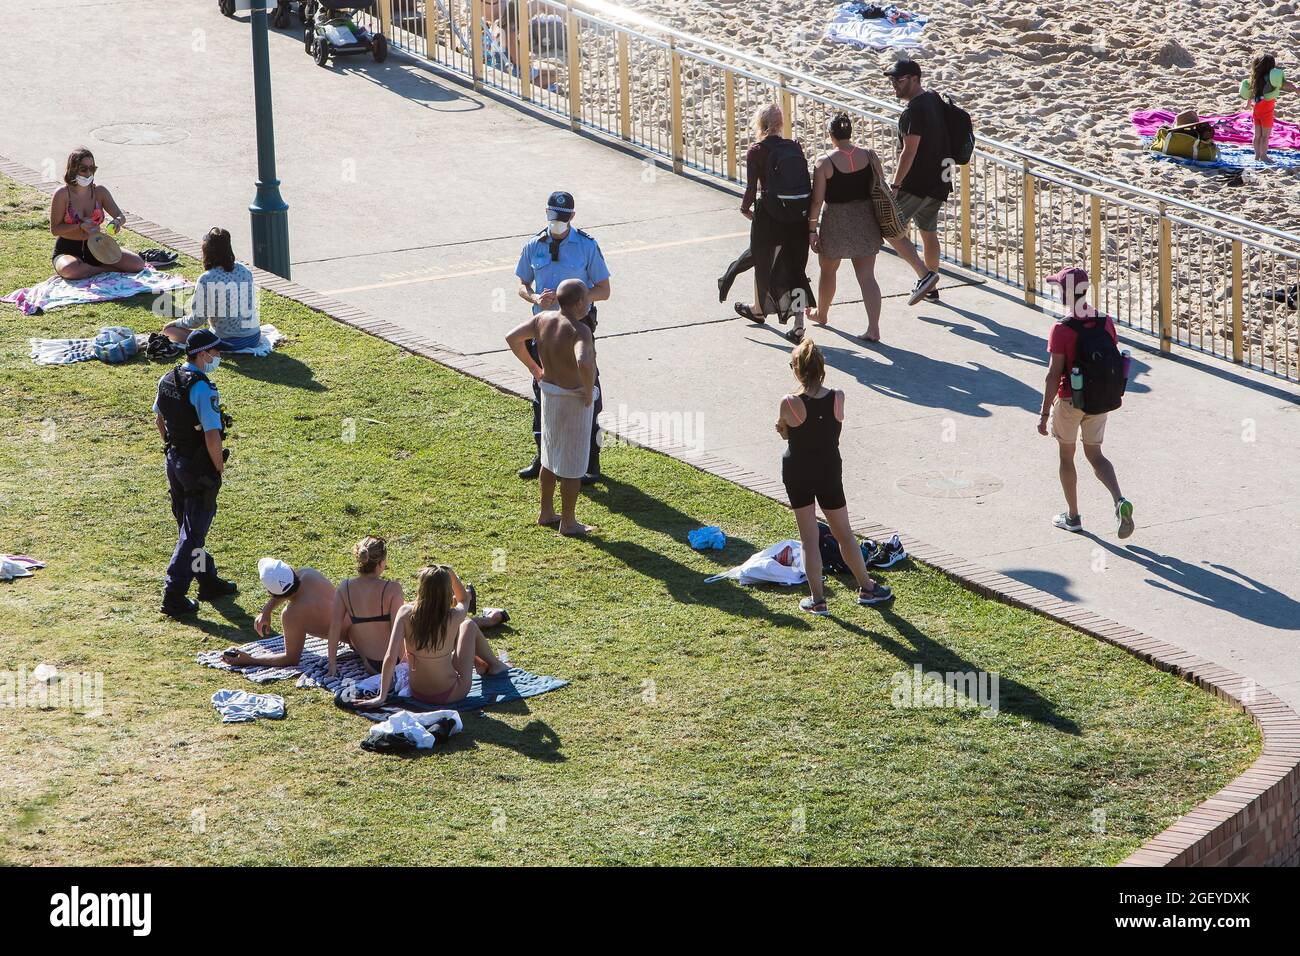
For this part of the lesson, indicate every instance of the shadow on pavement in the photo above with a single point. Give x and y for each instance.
(971, 389)
(1057, 585)
(1213, 585)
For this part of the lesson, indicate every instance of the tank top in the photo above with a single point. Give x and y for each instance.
(849, 187)
(817, 440)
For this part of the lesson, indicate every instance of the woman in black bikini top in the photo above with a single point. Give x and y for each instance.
(367, 634)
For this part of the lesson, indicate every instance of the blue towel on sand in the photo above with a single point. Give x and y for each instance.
(1236, 157)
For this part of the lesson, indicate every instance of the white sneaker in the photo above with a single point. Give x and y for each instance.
(1066, 523)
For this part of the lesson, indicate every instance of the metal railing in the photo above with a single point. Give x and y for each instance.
(1189, 275)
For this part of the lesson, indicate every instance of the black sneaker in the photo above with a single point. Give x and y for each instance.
(932, 295)
(923, 285)
(212, 589)
(886, 554)
(591, 477)
(178, 605)
(532, 471)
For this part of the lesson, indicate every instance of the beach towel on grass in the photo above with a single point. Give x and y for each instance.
(847, 25)
(71, 351)
(1236, 158)
(311, 671)
(241, 707)
(1232, 128)
(56, 291)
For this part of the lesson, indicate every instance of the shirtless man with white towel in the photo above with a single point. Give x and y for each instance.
(567, 377)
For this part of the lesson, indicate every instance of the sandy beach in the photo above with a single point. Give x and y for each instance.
(1060, 77)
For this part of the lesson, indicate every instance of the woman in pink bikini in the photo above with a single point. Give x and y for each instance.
(439, 641)
(76, 214)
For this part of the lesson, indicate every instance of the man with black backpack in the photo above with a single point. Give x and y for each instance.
(1085, 382)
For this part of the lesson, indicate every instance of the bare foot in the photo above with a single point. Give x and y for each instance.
(814, 315)
(577, 530)
(548, 521)
(871, 335)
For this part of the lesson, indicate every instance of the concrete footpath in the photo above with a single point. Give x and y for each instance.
(410, 197)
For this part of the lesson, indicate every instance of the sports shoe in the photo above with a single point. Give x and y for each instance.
(932, 295)
(879, 595)
(1067, 523)
(814, 607)
(923, 285)
(885, 554)
(1124, 512)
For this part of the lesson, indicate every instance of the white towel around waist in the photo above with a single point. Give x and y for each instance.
(566, 430)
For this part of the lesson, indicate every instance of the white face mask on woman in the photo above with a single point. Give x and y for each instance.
(84, 181)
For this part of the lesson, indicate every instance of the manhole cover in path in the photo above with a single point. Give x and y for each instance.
(139, 134)
(950, 483)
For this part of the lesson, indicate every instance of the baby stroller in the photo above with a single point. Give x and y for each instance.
(329, 31)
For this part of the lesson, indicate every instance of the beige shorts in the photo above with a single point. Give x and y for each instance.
(1068, 421)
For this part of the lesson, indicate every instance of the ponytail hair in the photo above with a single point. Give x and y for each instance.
(808, 364)
(369, 552)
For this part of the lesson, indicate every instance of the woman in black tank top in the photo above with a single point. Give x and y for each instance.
(811, 421)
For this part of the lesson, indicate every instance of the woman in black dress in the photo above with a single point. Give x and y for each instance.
(811, 420)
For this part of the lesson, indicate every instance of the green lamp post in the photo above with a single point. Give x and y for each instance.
(269, 212)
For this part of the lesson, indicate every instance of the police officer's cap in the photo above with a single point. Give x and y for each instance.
(560, 206)
(201, 340)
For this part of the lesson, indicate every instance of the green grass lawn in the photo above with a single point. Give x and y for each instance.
(703, 723)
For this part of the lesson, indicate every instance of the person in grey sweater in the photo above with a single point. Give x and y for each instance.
(225, 298)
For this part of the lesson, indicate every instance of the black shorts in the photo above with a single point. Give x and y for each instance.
(80, 248)
(803, 487)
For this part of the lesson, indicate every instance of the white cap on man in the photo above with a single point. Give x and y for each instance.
(277, 577)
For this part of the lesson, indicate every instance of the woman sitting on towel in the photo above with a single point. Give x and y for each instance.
(76, 214)
(371, 593)
(225, 298)
(811, 420)
(441, 644)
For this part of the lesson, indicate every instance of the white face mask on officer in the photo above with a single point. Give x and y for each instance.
(210, 366)
(557, 228)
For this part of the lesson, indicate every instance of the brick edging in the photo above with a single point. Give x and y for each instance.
(1253, 820)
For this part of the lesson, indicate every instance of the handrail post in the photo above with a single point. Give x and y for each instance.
(624, 88)
(476, 42)
(386, 17)
(575, 63)
(729, 96)
(675, 96)
(1094, 248)
(1029, 238)
(524, 40)
(1238, 346)
(1166, 282)
(787, 108)
(432, 24)
(966, 258)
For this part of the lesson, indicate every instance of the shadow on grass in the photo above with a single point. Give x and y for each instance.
(535, 740)
(1013, 697)
(276, 369)
(684, 583)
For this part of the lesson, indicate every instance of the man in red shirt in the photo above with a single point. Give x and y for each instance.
(1068, 422)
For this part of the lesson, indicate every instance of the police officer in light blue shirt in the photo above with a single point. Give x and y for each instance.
(561, 252)
(188, 414)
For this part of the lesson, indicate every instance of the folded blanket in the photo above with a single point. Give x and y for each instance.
(1232, 128)
(897, 28)
(71, 351)
(56, 291)
(241, 707)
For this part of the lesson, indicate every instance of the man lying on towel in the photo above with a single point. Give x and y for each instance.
(567, 377)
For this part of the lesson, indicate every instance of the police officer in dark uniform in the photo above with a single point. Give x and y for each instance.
(557, 253)
(192, 424)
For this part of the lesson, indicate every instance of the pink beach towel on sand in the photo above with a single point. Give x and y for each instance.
(1236, 128)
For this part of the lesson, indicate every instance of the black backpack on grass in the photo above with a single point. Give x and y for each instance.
(787, 187)
(961, 131)
(1097, 357)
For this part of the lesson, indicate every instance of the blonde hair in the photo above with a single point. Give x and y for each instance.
(768, 119)
(369, 552)
(808, 364)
